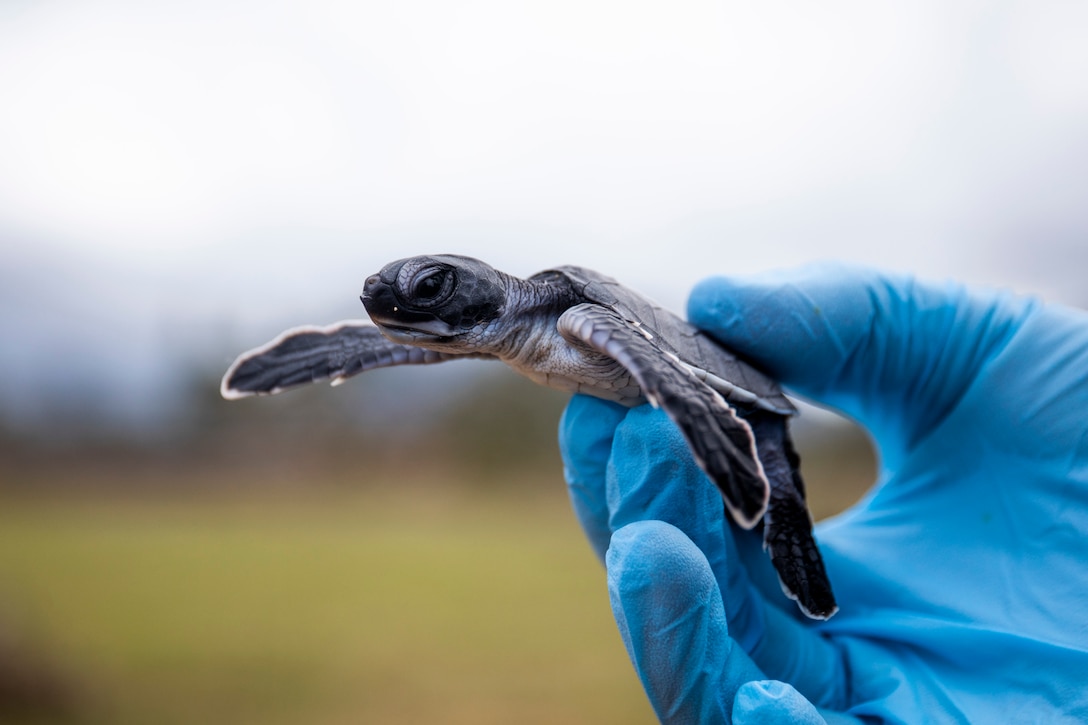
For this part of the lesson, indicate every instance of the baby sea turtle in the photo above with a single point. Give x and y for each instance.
(576, 330)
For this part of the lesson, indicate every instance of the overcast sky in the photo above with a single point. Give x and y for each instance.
(179, 177)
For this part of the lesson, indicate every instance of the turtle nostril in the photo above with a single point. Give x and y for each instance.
(369, 287)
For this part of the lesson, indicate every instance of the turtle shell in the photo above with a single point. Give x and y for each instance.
(674, 334)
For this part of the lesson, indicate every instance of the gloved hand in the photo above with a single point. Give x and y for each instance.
(962, 576)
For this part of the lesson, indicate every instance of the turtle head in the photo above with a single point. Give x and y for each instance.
(434, 301)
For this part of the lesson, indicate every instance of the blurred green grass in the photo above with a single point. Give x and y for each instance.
(401, 603)
(285, 585)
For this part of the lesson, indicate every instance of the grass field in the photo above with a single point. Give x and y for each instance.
(167, 596)
(390, 606)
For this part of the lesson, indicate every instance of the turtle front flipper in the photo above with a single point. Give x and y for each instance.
(311, 354)
(787, 532)
(722, 443)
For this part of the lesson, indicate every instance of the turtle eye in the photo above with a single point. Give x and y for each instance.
(431, 285)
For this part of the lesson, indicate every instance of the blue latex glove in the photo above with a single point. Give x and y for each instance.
(962, 576)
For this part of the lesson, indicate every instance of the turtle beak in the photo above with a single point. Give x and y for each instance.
(372, 284)
(396, 322)
(378, 297)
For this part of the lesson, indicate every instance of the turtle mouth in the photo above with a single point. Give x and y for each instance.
(400, 323)
(410, 335)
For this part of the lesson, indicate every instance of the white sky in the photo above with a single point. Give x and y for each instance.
(246, 165)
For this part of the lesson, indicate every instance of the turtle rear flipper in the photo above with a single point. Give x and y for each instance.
(722, 443)
(787, 536)
(311, 354)
(787, 532)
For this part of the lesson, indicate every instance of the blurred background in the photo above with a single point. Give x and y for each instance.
(181, 181)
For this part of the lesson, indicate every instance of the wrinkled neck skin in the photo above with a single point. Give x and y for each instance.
(536, 306)
(531, 344)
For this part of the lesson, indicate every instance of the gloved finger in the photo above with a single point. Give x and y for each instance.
(624, 465)
(585, 443)
(891, 351)
(651, 475)
(770, 702)
(793, 651)
(668, 607)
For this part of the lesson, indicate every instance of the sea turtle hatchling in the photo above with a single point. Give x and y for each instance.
(576, 330)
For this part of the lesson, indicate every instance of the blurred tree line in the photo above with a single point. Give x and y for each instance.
(472, 422)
